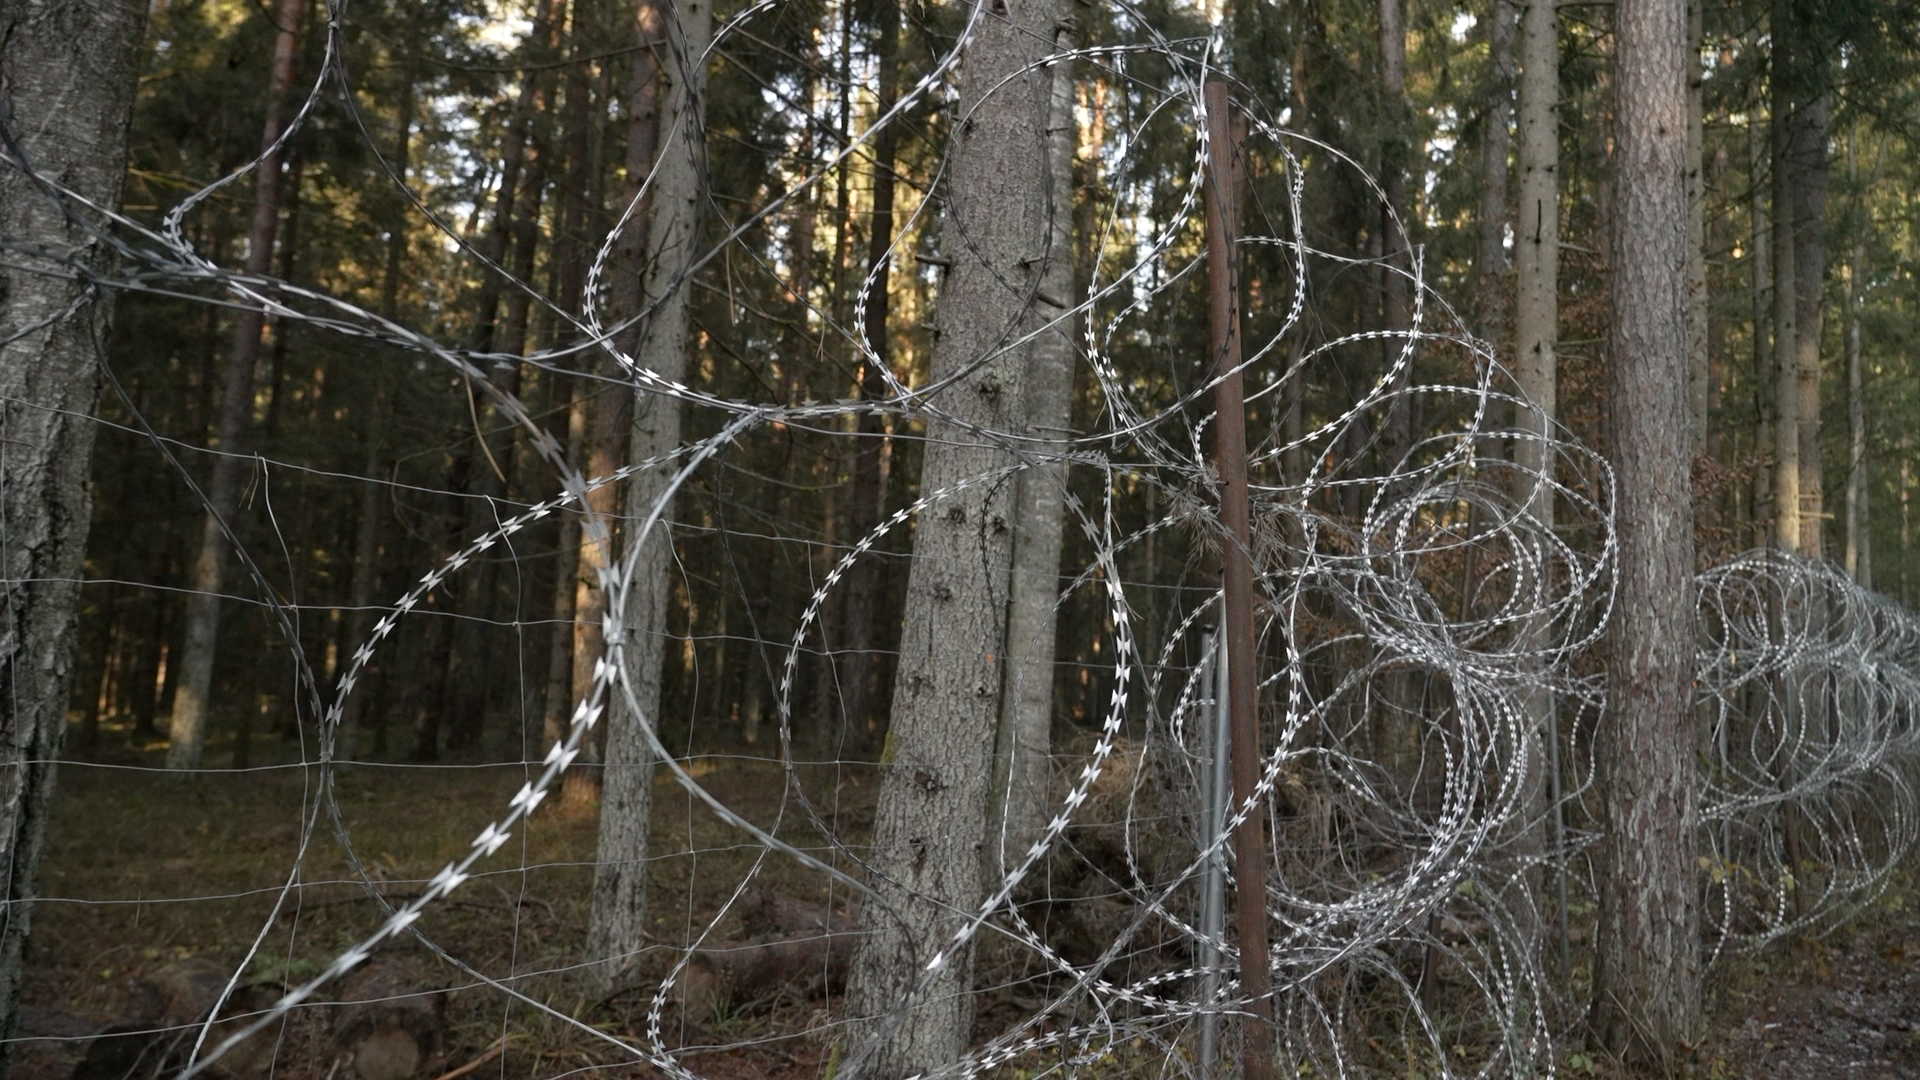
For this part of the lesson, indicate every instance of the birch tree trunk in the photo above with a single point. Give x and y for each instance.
(909, 989)
(1646, 1006)
(67, 79)
(1023, 746)
(188, 726)
(616, 924)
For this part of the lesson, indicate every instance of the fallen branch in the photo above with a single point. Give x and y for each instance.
(499, 1047)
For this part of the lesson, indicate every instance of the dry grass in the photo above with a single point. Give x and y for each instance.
(143, 869)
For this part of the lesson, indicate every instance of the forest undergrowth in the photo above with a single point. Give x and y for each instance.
(149, 873)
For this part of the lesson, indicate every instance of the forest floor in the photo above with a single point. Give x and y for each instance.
(144, 870)
(1846, 1005)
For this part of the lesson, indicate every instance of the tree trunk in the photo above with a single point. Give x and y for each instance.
(1786, 405)
(1395, 251)
(188, 726)
(1537, 237)
(67, 80)
(910, 985)
(1646, 1006)
(616, 925)
(368, 530)
(1536, 337)
(609, 409)
(572, 247)
(1859, 522)
(1496, 218)
(867, 491)
(1023, 743)
(1699, 378)
(1810, 168)
(1759, 274)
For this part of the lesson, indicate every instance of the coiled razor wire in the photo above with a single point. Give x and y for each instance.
(1809, 686)
(1422, 635)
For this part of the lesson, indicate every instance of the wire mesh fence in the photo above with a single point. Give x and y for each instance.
(607, 779)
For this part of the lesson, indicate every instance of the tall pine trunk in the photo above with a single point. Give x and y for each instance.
(1536, 356)
(1495, 217)
(1698, 374)
(616, 923)
(608, 407)
(862, 630)
(188, 727)
(1786, 404)
(67, 80)
(367, 530)
(1859, 554)
(1023, 746)
(1810, 168)
(1646, 1003)
(909, 988)
(1395, 250)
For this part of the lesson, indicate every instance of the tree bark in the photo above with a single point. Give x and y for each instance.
(868, 489)
(909, 989)
(1699, 376)
(1496, 217)
(1859, 554)
(67, 80)
(1023, 744)
(1395, 250)
(1646, 1006)
(609, 409)
(1786, 405)
(188, 725)
(368, 529)
(616, 924)
(1759, 274)
(1810, 168)
(1536, 356)
(1537, 238)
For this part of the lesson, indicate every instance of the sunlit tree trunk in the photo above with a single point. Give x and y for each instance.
(1537, 233)
(188, 727)
(616, 923)
(909, 991)
(609, 411)
(67, 78)
(1646, 1004)
(1023, 746)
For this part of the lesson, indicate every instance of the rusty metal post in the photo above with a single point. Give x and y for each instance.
(1236, 559)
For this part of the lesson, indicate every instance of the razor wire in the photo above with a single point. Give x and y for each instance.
(1807, 702)
(1423, 641)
